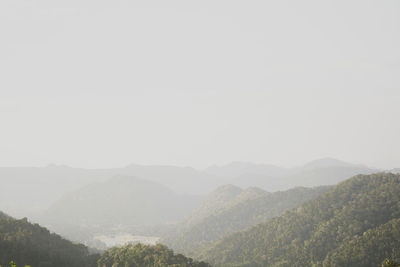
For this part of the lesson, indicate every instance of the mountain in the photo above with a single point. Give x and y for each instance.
(122, 200)
(326, 171)
(237, 168)
(3, 215)
(58, 180)
(245, 209)
(216, 201)
(183, 180)
(146, 256)
(356, 223)
(123, 203)
(396, 170)
(30, 183)
(327, 163)
(375, 244)
(31, 244)
(328, 175)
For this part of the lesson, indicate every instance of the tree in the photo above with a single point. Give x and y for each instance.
(389, 263)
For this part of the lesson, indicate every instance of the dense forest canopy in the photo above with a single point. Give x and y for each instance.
(26, 244)
(354, 224)
(248, 208)
(146, 256)
(30, 244)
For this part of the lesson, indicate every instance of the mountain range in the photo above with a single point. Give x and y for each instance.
(230, 209)
(356, 223)
(58, 180)
(120, 204)
(353, 223)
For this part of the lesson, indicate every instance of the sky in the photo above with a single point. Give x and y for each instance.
(100, 84)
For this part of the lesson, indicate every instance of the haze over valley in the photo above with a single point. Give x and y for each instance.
(151, 203)
(199, 133)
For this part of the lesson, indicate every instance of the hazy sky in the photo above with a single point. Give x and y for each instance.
(94, 83)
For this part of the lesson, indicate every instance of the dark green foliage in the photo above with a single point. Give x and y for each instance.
(30, 244)
(244, 214)
(146, 256)
(370, 248)
(354, 224)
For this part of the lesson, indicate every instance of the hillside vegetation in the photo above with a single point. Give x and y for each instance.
(26, 244)
(245, 208)
(30, 244)
(354, 224)
(146, 256)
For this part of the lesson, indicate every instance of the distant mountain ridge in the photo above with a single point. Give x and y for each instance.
(57, 180)
(122, 202)
(122, 198)
(239, 168)
(329, 162)
(325, 171)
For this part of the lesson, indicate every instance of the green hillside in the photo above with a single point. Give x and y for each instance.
(31, 244)
(375, 244)
(342, 227)
(146, 256)
(248, 208)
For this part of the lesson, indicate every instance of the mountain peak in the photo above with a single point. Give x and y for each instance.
(326, 162)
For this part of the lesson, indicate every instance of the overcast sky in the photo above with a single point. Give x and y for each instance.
(94, 83)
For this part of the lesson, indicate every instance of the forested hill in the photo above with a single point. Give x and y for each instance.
(248, 208)
(3, 215)
(31, 244)
(214, 202)
(354, 224)
(126, 200)
(146, 256)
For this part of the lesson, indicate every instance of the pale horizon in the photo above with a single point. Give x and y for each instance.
(199, 168)
(104, 84)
